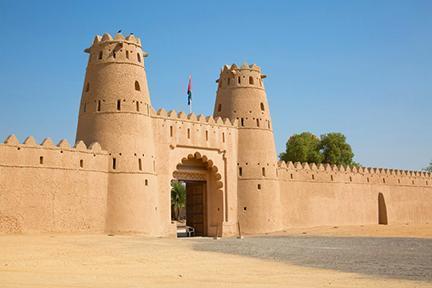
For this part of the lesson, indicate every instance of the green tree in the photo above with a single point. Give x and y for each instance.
(335, 149)
(302, 147)
(178, 197)
(428, 168)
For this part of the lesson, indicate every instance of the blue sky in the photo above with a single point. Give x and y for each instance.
(363, 68)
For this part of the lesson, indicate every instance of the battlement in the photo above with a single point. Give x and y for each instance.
(63, 144)
(106, 38)
(332, 173)
(232, 76)
(192, 117)
(30, 154)
(119, 49)
(233, 68)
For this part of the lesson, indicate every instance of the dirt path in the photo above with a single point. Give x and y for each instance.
(132, 261)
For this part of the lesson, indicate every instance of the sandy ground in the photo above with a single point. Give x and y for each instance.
(133, 261)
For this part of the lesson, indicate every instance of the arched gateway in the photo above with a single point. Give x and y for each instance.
(204, 194)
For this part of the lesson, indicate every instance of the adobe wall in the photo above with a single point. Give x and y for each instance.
(328, 195)
(179, 136)
(48, 188)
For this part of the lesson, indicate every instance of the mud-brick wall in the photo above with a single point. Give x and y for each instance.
(49, 188)
(329, 195)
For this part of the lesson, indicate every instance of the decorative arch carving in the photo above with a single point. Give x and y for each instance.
(199, 176)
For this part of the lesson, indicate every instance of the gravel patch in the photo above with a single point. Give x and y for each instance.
(400, 258)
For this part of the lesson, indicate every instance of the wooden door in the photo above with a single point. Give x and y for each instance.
(195, 206)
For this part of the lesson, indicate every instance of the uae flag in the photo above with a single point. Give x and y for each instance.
(189, 90)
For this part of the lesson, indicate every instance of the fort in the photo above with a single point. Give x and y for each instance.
(116, 178)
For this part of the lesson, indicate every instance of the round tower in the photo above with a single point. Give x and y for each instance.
(241, 95)
(115, 111)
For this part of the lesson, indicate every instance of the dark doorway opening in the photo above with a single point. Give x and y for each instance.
(189, 207)
(196, 207)
(382, 210)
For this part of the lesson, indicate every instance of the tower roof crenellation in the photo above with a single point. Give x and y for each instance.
(106, 38)
(244, 66)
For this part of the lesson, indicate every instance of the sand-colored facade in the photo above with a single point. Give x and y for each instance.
(116, 179)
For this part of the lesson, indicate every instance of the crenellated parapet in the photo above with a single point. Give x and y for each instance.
(245, 76)
(192, 117)
(191, 130)
(106, 49)
(311, 172)
(30, 154)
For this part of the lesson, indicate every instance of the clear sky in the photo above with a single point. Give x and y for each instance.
(363, 68)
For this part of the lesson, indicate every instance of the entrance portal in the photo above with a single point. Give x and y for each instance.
(202, 211)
